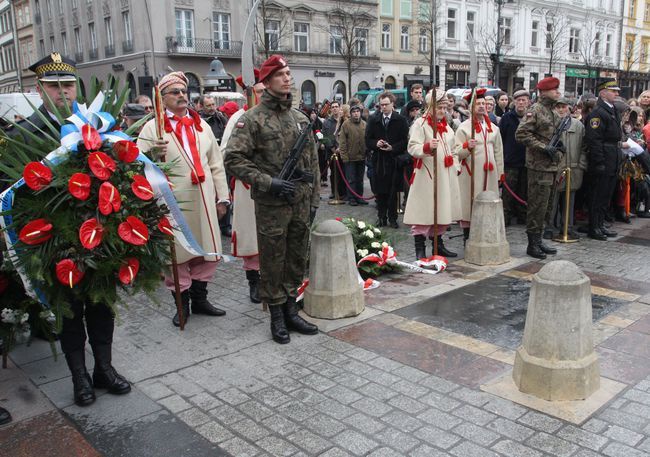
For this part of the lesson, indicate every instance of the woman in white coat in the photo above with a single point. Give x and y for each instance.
(431, 139)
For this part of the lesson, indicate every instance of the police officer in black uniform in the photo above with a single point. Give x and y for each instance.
(57, 76)
(603, 138)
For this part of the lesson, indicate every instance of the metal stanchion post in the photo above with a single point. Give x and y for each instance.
(337, 198)
(564, 238)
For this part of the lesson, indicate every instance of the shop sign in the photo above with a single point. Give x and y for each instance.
(457, 66)
(324, 74)
(581, 73)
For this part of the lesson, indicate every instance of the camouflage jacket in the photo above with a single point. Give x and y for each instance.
(260, 144)
(535, 131)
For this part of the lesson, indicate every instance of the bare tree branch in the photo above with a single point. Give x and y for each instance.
(272, 16)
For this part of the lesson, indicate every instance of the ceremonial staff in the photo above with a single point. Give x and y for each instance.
(247, 64)
(473, 82)
(433, 108)
(159, 112)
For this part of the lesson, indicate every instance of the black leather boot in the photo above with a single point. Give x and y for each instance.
(546, 249)
(5, 416)
(294, 322)
(199, 299)
(420, 247)
(465, 235)
(84, 394)
(442, 250)
(381, 222)
(104, 375)
(185, 300)
(278, 328)
(534, 249)
(607, 232)
(253, 277)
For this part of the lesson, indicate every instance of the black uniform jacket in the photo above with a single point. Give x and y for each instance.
(602, 135)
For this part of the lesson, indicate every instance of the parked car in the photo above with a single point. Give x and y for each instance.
(459, 92)
(370, 98)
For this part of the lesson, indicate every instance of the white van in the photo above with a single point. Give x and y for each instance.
(16, 104)
(223, 97)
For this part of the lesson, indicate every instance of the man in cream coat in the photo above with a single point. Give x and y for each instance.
(200, 186)
(486, 149)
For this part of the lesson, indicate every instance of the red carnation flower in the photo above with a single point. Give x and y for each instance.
(91, 137)
(109, 199)
(165, 226)
(90, 233)
(142, 188)
(36, 232)
(127, 272)
(79, 186)
(68, 273)
(127, 151)
(133, 231)
(101, 165)
(37, 175)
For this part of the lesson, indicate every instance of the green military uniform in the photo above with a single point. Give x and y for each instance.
(535, 131)
(256, 152)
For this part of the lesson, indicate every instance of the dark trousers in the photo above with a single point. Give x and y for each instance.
(517, 180)
(387, 206)
(354, 172)
(100, 323)
(602, 190)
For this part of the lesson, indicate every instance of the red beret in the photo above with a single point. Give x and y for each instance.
(271, 65)
(240, 80)
(229, 108)
(480, 93)
(548, 83)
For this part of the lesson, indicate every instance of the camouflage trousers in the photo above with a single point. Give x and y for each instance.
(282, 237)
(540, 199)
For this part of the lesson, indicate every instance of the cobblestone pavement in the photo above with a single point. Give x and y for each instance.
(382, 384)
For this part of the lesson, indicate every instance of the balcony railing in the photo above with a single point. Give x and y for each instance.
(201, 46)
(109, 51)
(79, 57)
(93, 54)
(127, 46)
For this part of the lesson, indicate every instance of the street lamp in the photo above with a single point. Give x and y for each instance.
(217, 80)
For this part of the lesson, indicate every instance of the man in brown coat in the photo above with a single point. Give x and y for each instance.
(352, 147)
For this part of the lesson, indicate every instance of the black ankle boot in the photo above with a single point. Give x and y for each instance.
(253, 277)
(104, 375)
(185, 300)
(465, 235)
(420, 247)
(5, 416)
(442, 250)
(546, 249)
(294, 322)
(199, 299)
(278, 328)
(534, 249)
(84, 394)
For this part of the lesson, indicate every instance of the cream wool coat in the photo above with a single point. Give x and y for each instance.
(494, 155)
(198, 201)
(244, 226)
(419, 205)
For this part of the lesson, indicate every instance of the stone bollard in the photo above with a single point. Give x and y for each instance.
(487, 244)
(557, 360)
(334, 290)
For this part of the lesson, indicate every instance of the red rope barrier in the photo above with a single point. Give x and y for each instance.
(515, 196)
(347, 184)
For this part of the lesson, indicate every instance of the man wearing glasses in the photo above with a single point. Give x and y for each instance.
(145, 102)
(200, 185)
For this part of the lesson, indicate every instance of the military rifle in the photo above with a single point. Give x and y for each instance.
(557, 134)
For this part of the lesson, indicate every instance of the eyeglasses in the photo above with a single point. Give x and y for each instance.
(176, 92)
(148, 108)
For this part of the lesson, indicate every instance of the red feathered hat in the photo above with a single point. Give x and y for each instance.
(480, 93)
(240, 80)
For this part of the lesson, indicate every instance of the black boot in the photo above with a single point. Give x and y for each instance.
(185, 300)
(381, 222)
(104, 375)
(5, 416)
(607, 232)
(596, 234)
(278, 327)
(465, 235)
(84, 394)
(420, 247)
(443, 251)
(253, 277)
(546, 249)
(294, 322)
(534, 249)
(199, 299)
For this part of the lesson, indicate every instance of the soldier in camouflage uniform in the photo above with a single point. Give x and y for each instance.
(542, 161)
(258, 148)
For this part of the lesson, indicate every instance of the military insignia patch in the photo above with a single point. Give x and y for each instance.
(595, 122)
(239, 125)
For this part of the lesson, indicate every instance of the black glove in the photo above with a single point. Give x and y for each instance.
(552, 152)
(282, 188)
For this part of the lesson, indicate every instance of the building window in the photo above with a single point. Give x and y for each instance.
(361, 36)
(41, 48)
(549, 35)
(221, 30)
(336, 38)
(533, 34)
(301, 37)
(574, 41)
(52, 44)
(75, 4)
(506, 27)
(405, 38)
(77, 41)
(109, 32)
(597, 44)
(451, 24)
(64, 43)
(425, 11)
(272, 35)
(27, 19)
(386, 41)
(59, 6)
(93, 36)
(632, 10)
(126, 23)
(19, 17)
(646, 12)
(185, 27)
(608, 45)
(405, 9)
(644, 53)
(386, 7)
(471, 18)
(423, 41)
(48, 8)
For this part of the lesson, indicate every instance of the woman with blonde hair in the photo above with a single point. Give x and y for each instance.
(431, 139)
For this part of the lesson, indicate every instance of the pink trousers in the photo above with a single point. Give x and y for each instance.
(195, 269)
(252, 262)
(428, 230)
